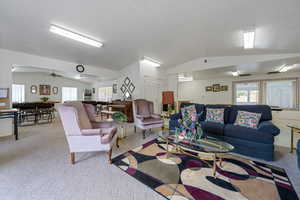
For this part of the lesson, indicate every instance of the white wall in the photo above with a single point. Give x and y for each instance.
(195, 91)
(28, 79)
(5, 82)
(11, 58)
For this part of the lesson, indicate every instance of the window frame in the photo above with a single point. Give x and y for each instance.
(263, 90)
(246, 81)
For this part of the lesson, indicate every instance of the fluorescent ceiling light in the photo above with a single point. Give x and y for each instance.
(75, 36)
(182, 78)
(285, 68)
(236, 73)
(77, 77)
(150, 62)
(249, 39)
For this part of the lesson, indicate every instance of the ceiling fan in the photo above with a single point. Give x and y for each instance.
(53, 74)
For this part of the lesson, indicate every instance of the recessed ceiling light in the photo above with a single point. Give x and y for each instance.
(236, 73)
(150, 61)
(75, 36)
(249, 39)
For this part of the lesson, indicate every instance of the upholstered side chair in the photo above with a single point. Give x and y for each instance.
(144, 116)
(81, 135)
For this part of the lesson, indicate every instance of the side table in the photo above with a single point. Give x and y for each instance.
(294, 129)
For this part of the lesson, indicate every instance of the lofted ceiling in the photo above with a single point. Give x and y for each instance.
(171, 31)
(261, 68)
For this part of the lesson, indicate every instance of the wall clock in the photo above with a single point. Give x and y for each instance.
(80, 68)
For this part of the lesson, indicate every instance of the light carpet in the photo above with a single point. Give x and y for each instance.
(37, 167)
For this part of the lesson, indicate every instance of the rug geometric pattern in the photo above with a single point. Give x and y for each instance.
(183, 177)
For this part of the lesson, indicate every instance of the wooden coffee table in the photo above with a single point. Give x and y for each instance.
(205, 149)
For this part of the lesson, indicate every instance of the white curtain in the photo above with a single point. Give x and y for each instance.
(105, 94)
(69, 94)
(18, 93)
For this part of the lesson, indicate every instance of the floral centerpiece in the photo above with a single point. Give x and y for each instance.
(189, 127)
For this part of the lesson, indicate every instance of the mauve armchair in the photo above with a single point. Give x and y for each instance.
(81, 135)
(144, 116)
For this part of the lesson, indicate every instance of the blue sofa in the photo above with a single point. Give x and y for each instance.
(298, 153)
(258, 143)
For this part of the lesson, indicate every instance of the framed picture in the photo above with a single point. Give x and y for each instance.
(123, 89)
(127, 81)
(224, 88)
(33, 89)
(55, 90)
(216, 87)
(94, 90)
(131, 88)
(115, 88)
(208, 89)
(45, 90)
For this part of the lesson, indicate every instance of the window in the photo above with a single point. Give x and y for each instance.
(105, 94)
(277, 92)
(18, 93)
(247, 93)
(69, 94)
(282, 93)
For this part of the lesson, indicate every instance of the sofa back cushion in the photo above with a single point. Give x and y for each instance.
(199, 108)
(227, 110)
(264, 110)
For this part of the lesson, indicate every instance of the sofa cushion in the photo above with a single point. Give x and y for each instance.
(226, 111)
(247, 119)
(212, 127)
(249, 134)
(215, 115)
(265, 110)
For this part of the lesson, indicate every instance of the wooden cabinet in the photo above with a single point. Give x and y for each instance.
(124, 107)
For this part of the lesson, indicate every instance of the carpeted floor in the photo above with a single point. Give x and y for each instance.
(37, 167)
(185, 177)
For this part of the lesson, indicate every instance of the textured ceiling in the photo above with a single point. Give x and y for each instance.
(172, 31)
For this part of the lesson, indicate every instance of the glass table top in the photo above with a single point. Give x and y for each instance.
(207, 145)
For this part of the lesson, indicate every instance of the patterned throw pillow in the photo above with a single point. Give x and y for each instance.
(188, 113)
(215, 115)
(247, 119)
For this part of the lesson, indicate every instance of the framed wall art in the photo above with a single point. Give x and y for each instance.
(33, 89)
(216, 87)
(45, 90)
(115, 88)
(55, 90)
(208, 89)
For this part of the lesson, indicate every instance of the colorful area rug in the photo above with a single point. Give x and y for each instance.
(182, 177)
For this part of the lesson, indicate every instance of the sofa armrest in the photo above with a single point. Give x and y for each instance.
(268, 127)
(89, 132)
(176, 116)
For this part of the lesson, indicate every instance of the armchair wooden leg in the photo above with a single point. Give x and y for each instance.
(72, 158)
(109, 156)
(144, 134)
(117, 142)
(135, 129)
